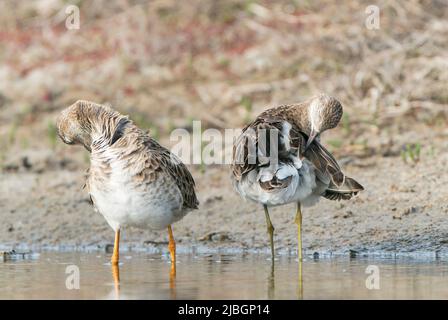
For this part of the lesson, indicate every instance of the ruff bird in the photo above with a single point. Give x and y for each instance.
(132, 179)
(278, 159)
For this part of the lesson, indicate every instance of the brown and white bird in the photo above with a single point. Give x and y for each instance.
(278, 159)
(132, 180)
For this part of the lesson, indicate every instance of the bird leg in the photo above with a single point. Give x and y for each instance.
(172, 248)
(270, 230)
(298, 221)
(116, 253)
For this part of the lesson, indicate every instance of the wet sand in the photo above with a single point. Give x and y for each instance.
(403, 209)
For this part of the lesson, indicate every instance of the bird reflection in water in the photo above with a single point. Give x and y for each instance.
(271, 282)
(116, 278)
(300, 282)
(173, 281)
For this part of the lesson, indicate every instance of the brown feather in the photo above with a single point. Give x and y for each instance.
(327, 169)
(99, 128)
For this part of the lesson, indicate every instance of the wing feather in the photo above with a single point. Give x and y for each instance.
(328, 170)
(249, 155)
(172, 165)
(264, 144)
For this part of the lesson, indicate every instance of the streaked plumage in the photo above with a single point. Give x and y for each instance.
(132, 180)
(278, 158)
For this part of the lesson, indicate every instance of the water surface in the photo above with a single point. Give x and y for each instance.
(217, 276)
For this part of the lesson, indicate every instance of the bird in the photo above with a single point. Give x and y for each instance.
(133, 181)
(279, 159)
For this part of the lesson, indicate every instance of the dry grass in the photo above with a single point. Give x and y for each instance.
(222, 62)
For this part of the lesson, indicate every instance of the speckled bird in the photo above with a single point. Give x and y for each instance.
(279, 159)
(132, 179)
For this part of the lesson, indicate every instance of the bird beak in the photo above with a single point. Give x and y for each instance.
(311, 138)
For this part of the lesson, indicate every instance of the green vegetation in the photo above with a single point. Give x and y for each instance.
(12, 133)
(411, 153)
(346, 125)
(247, 103)
(335, 143)
(52, 134)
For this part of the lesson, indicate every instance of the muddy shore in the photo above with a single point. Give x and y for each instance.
(403, 209)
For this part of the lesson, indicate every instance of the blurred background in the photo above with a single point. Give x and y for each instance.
(167, 63)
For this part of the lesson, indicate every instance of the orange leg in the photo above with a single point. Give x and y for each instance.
(116, 254)
(172, 248)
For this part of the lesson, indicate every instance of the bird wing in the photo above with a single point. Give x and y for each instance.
(263, 145)
(249, 154)
(328, 171)
(161, 159)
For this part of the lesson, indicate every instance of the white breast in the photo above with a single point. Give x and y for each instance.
(123, 202)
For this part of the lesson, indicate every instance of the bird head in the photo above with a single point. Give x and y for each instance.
(324, 112)
(73, 126)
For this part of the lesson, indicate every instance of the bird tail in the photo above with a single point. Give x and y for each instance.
(345, 191)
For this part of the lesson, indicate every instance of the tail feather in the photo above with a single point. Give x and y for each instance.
(348, 189)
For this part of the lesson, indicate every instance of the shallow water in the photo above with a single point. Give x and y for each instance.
(216, 276)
